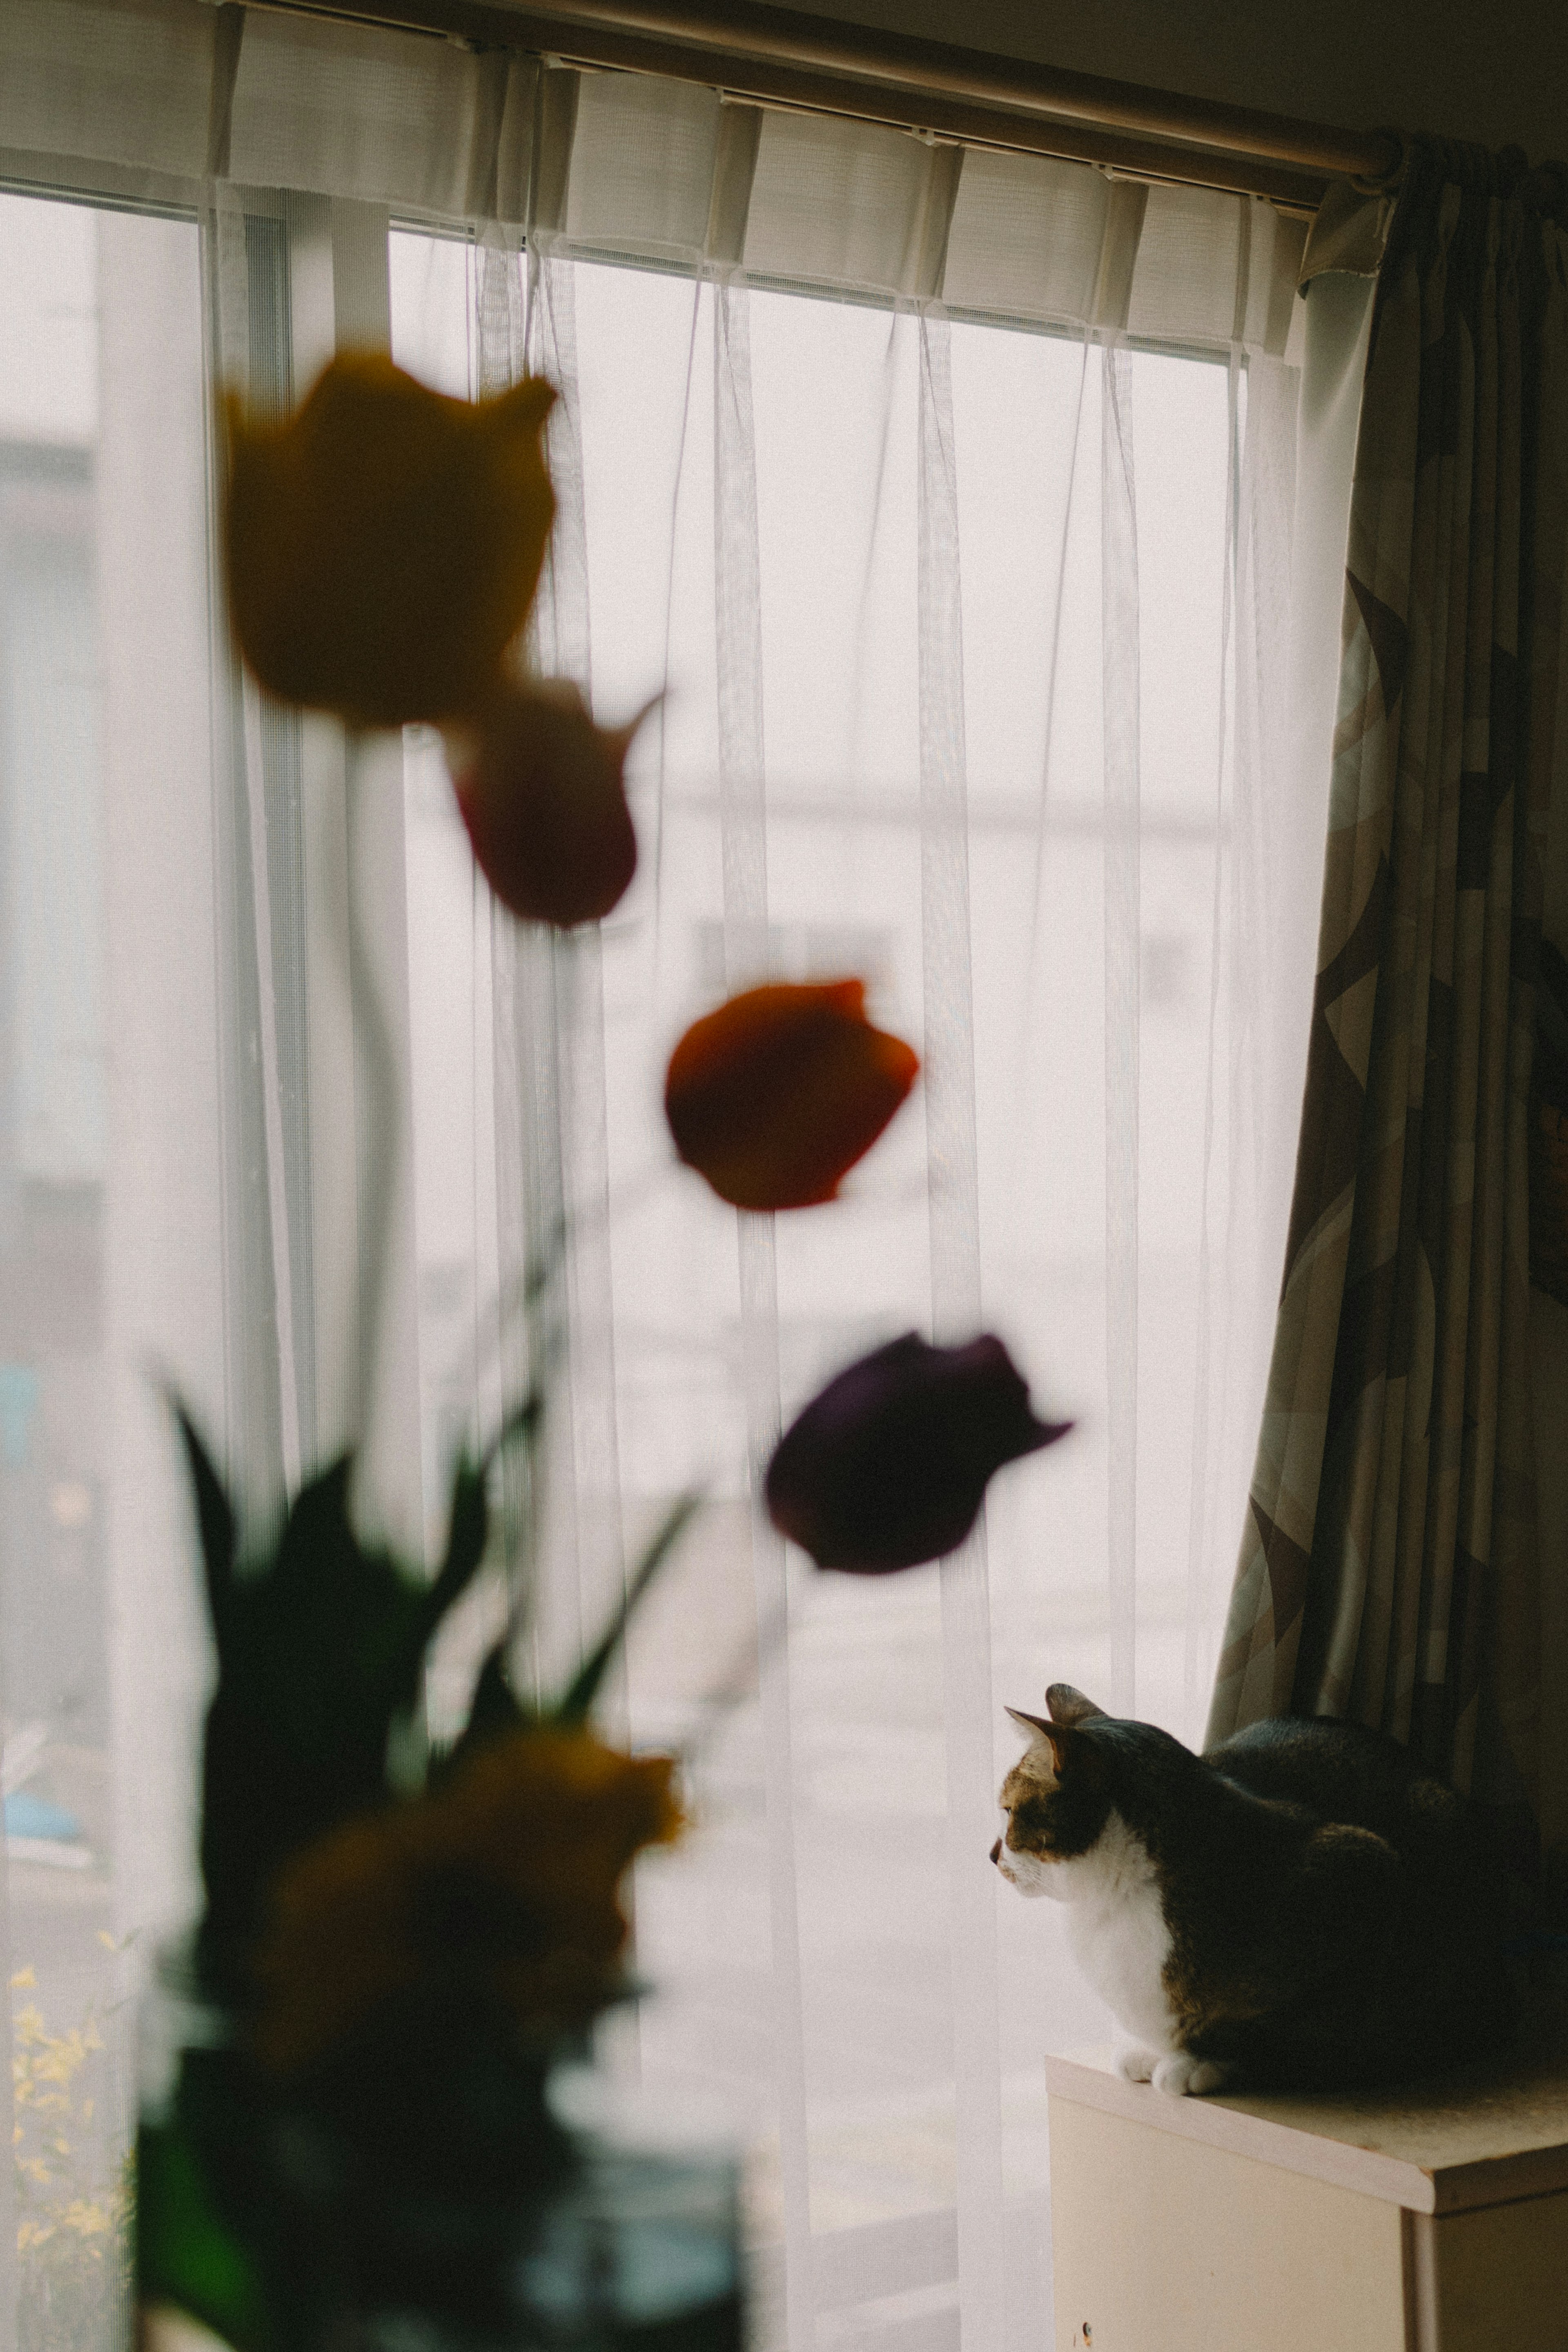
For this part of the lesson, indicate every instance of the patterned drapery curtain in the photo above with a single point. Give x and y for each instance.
(1389, 1569)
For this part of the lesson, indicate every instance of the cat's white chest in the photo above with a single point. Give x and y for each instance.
(1118, 1933)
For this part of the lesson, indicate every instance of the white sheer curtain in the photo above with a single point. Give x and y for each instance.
(957, 502)
(976, 648)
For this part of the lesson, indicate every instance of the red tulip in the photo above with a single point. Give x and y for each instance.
(775, 1096)
(540, 789)
(888, 1465)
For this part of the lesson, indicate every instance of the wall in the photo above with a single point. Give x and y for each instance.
(1492, 70)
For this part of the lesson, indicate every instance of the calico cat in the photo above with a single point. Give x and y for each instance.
(1299, 1910)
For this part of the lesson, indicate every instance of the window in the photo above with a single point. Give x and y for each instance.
(108, 1173)
(948, 556)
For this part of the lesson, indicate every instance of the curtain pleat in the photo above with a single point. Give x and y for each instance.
(1209, 1344)
(242, 329)
(1389, 1571)
(952, 1194)
(1123, 935)
(742, 826)
(320, 1266)
(1257, 1034)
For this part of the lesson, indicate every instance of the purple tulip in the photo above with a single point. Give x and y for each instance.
(888, 1467)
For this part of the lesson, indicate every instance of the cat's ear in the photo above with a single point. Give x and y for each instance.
(1041, 1734)
(1068, 1706)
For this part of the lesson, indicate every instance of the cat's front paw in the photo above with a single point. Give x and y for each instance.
(1135, 2066)
(1186, 2077)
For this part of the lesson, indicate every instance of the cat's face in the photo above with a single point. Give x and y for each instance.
(1055, 1798)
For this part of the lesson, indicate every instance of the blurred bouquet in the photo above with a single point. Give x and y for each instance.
(399, 1944)
(354, 2118)
(353, 2131)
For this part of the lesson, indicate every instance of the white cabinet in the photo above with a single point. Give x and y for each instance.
(1435, 2219)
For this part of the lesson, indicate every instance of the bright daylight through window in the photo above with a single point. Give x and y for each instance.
(889, 573)
(838, 660)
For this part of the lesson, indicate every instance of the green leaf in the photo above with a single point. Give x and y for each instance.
(467, 1534)
(320, 1651)
(494, 1711)
(523, 1421)
(215, 1519)
(186, 2253)
(584, 1689)
(316, 1530)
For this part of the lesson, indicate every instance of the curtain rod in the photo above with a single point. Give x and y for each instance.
(785, 58)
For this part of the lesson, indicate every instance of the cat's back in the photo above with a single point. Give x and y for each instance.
(1430, 1986)
(1343, 1772)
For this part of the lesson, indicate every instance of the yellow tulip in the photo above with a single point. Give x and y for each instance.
(511, 1871)
(383, 544)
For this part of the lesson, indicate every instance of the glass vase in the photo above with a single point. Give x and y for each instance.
(434, 2190)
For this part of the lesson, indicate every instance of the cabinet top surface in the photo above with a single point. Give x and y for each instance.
(1478, 2136)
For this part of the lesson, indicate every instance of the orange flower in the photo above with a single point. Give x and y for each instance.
(510, 1871)
(541, 793)
(384, 542)
(775, 1096)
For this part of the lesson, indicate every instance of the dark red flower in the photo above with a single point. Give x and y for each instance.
(888, 1465)
(540, 789)
(775, 1096)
